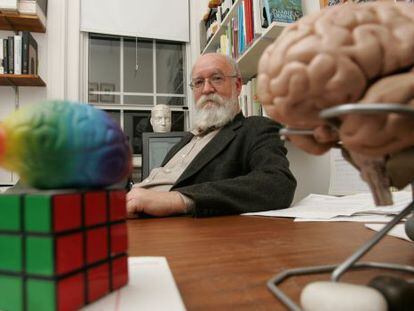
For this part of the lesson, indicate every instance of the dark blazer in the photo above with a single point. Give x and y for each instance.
(242, 169)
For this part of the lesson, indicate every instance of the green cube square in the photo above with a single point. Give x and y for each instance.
(11, 253)
(40, 255)
(38, 213)
(10, 219)
(11, 289)
(41, 295)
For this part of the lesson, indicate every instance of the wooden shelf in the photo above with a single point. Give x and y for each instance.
(15, 22)
(21, 80)
(249, 60)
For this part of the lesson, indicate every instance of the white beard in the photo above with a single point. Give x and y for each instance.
(219, 114)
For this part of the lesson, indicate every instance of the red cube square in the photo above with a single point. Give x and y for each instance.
(71, 293)
(119, 272)
(98, 282)
(117, 205)
(69, 253)
(119, 241)
(67, 212)
(96, 244)
(95, 205)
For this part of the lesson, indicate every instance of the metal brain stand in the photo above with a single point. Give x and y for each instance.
(351, 262)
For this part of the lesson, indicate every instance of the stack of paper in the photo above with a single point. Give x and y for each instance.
(357, 207)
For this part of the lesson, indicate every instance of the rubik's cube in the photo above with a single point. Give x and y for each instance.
(61, 250)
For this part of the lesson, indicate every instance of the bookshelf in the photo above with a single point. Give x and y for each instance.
(249, 59)
(214, 40)
(15, 22)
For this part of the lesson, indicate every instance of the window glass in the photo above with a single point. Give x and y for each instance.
(138, 66)
(139, 100)
(136, 123)
(177, 122)
(170, 73)
(104, 64)
(171, 101)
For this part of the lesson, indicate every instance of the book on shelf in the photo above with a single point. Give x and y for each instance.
(287, 11)
(248, 99)
(8, 5)
(1, 57)
(29, 54)
(5, 52)
(17, 55)
(10, 54)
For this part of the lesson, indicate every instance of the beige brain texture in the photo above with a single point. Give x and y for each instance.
(351, 53)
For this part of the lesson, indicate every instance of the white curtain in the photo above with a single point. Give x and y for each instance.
(157, 19)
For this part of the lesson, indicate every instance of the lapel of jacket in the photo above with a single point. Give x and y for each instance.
(214, 147)
(184, 141)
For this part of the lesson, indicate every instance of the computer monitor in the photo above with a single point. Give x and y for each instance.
(155, 147)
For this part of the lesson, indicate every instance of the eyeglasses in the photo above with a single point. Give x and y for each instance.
(215, 80)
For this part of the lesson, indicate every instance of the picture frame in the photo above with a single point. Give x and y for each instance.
(93, 87)
(107, 98)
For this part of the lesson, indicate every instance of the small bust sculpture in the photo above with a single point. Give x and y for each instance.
(161, 118)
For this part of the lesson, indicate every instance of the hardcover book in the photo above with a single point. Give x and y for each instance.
(287, 11)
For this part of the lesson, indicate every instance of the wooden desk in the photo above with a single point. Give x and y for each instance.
(223, 263)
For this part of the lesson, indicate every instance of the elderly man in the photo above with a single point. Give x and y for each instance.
(228, 164)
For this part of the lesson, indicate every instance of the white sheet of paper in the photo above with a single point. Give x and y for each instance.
(344, 179)
(151, 287)
(398, 231)
(364, 218)
(317, 206)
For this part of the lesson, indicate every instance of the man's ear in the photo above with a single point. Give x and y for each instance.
(239, 84)
(152, 122)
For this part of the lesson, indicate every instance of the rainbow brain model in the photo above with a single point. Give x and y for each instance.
(59, 144)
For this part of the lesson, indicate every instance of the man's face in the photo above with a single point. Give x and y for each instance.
(216, 89)
(212, 74)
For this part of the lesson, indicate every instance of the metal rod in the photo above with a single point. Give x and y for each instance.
(341, 269)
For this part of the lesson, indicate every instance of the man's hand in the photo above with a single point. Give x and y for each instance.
(154, 203)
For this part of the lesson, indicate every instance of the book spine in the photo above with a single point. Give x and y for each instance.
(5, 55)
(17, 55)
(1, 57)
(10, 54)
(25, 52)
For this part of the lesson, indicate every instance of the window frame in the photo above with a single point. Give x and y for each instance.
(121, 107)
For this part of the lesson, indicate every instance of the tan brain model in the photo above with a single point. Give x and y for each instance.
(351, 53)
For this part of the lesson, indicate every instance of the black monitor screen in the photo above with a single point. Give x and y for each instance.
(155, 148)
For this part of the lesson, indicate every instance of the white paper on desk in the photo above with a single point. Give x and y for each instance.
(363, 218)
(317, 206)
(344, 178)
(151, 287)
(398, 231)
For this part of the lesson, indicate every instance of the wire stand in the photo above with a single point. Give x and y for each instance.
(348, 264)
(331, 115)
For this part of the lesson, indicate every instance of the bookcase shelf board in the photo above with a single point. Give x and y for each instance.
(249, 60)
(21, 80)
(214, 41)
(16, 21)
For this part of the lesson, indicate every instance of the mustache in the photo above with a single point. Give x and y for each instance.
(215, 98)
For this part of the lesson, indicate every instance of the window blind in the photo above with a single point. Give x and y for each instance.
(157, 19)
